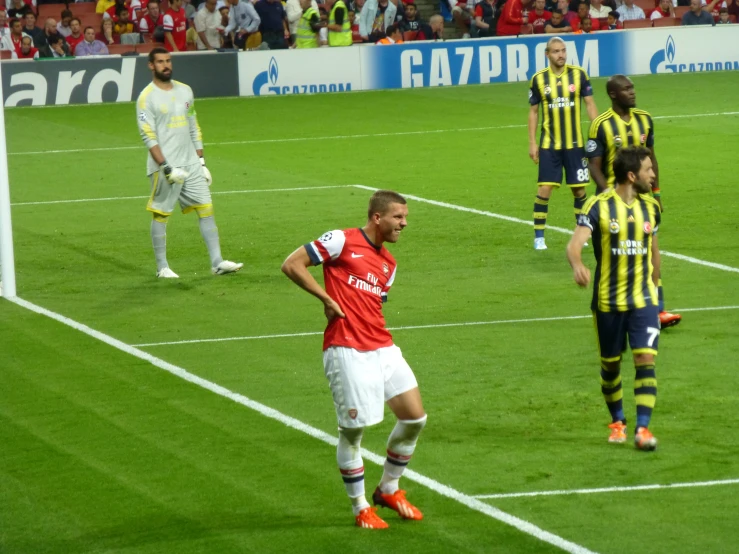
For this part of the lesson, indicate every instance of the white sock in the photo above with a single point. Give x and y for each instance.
(400, 447)
(351, 467)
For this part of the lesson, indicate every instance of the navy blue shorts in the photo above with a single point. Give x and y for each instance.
(640, 325)
(574, 163)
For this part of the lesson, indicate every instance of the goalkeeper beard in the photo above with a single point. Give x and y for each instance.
(165, 76)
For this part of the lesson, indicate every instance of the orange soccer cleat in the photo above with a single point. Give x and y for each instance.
(644, 440)
(368, 519)
(666, 319)
(618, 432)
(397, 502)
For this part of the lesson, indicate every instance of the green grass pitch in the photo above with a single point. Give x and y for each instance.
(101, 452)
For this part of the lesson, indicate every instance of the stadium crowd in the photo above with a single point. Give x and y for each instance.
(29, 30)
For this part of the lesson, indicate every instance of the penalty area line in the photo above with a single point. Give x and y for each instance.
(214, 193)
(562, 230)
(409, 327)
(444, 490)
(609, 489)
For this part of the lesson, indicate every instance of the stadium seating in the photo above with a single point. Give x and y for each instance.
(54, 10)
(121, 48)
(681, 10)
(409, 36)
(637, 24)
(5, 54)
(667, 22)
(527, 29)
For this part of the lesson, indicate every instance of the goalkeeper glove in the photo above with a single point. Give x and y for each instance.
(174, 176)
(206, 172)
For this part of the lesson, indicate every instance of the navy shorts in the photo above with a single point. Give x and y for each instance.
(574, 162)
(640, 325)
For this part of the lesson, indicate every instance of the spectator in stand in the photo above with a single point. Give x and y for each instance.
(570, 16)
(112, 12)
(123, 26)
(243, 21)
(18, 9)
(665, 9)
(356, 5)
(294, 12)
(598, 10)
(434, 30)
(586, 26)
(463, 14)
(226, 40)
(152, 20)
(354, 22)
(175, 27)
(309, 27)
(323, 34)
(190, 10)
(583, 12)
(723, 17)
(12, 41)
(274, 27)
(4, 27)
(557, 25)
(106, 32)
(631, 12)
(697, 15)
(411, 20)
(339, 29)
(36, 33)
(486, 17)
(27, 52)
(613, 21)
(207, 22)
(394, 36)
(76, 37)
(512, 18)
(539, 16)
(103, 6)
(375, 18)
(732, 6)
(58, 47)
(50, 35)
(63, 27)
(90, 46)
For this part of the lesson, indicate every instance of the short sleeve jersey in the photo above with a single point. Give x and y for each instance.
(357, 275)
(175, 22)
(560, 98)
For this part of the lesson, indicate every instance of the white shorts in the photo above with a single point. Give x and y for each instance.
(361, 382)
(193, 193)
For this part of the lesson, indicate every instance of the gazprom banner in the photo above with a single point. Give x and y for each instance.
(466, 62)
(299, 71)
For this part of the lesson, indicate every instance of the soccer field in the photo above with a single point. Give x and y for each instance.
(192, 416)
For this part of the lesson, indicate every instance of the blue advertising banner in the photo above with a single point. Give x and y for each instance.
(464, 62)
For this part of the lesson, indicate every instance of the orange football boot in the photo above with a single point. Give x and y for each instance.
(368, 519)
(397, 502)
(666, 319)
(618, 432)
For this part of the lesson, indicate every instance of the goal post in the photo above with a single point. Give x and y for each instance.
(7, 259)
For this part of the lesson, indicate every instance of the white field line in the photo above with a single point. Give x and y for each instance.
(444, 490)
(409, 327)
(338, 137)
(609, 489)
(252, 191)
(682, 257)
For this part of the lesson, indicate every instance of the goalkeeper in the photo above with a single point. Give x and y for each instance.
(169, 127)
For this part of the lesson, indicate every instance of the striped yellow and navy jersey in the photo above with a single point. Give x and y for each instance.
(609, 132)
(560, 98)
(168, 118)
(622, 242)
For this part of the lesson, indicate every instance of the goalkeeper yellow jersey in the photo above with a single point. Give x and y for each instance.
(168, 118)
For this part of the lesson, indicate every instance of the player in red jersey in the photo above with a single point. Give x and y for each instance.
(364, 368)
(175, 27)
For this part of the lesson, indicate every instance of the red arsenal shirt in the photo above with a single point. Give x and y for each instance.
(175, 22)
(357, 275)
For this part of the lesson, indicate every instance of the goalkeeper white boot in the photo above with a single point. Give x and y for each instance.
(166, 273)
(226, 267)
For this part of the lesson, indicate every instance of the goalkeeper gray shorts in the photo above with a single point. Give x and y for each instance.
(192, 194)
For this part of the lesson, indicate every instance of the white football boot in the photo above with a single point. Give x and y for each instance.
(226, 267)
(166, 273)
(539, 243)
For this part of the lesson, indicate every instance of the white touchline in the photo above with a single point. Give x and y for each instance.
(609, 489)
(337, 137)
(550, 228)
(410, 327)
(252, 191)
(444, 490)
